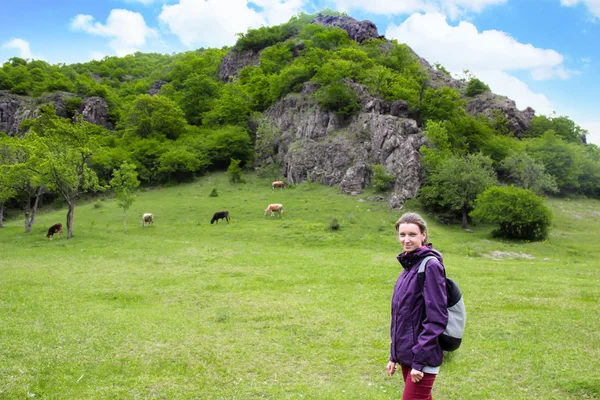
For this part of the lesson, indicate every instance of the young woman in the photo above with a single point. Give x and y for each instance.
(419, 312)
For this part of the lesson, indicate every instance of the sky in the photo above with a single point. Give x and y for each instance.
(541, 53)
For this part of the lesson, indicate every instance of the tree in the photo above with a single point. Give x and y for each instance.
(125, 184)
(155, 117)
(520, 213)
(527, 173)
(457, 182)
(18, 176)
(62, 152)
(562, 160)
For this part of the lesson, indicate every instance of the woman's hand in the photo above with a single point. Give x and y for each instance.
(391, 368)
(415, 375)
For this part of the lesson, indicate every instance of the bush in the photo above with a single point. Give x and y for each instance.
(338, 97)
(214, 193)
(234, 172)
(334, 225)
(381, 180)
(475, 87)
(520, 213)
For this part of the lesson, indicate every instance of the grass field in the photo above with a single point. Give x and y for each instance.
(269, 308)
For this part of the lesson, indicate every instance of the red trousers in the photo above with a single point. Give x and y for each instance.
(417, 391)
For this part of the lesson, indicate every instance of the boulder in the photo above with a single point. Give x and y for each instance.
(95, 110)
(357, 30)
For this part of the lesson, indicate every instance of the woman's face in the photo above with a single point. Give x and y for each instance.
(410, 237)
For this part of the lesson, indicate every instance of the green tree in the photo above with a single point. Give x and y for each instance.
(338, 97)
(62, 152)
(457, 182)
(562, 160)
(520, 213)
(526, 173)
(155, 117)
(19, 177)
(125, 183)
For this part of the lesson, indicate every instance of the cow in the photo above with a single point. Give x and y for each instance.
(277, 184)
(54, 229)
(220, 215)
(274, 208)
(147, 219)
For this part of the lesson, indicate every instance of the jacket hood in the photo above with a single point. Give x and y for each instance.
(408, 260)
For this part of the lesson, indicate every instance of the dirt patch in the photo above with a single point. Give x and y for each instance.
(499, 255)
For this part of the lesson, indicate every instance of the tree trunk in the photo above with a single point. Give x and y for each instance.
(70, 218)
(1, 214)
(124, 221)
(30, 212)
(464, 217)
(28, 222)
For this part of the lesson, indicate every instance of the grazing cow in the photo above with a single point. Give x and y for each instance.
(53, 230)
(147, 219)
(277, 184)
(219, 215)
(274, 208)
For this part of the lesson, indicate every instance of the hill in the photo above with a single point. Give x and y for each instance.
(322, 97)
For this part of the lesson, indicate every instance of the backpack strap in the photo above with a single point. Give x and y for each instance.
(421, 271)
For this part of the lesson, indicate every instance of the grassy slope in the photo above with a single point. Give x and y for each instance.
(283, 308)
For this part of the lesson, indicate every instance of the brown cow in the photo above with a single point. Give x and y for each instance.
(277, 184)
(54, 229)
(274, 208)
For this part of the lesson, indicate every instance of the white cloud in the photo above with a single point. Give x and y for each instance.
(592, 5)
(453, 8)
(490, 55)
(502, 83)
(214, 23)
(23, 48)
(127, 28)
(463, 46)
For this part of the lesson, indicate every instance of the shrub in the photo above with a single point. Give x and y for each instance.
(520, 213)
(338, 97)
(334, 225)
(234, 172)
(214, 193)
(381, 180)
(475, 87)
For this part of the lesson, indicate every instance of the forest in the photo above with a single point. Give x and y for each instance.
(473, 167)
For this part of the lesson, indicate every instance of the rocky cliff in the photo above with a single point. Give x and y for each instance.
(14, 109)
(336, 150)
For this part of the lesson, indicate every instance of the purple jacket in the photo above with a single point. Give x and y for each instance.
(419, 317)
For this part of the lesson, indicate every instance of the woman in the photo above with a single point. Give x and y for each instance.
(419, 311)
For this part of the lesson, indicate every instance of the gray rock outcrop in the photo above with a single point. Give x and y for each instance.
(518, 122)
(95, 110)
(336, 150)
(14, 109)
(156, 87)
(357, 30)
(234, 61)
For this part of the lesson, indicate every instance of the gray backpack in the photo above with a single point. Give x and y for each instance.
(457, 314)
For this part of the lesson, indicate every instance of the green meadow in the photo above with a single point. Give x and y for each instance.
(283, 308)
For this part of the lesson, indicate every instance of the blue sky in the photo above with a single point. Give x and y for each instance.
(540, 53)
